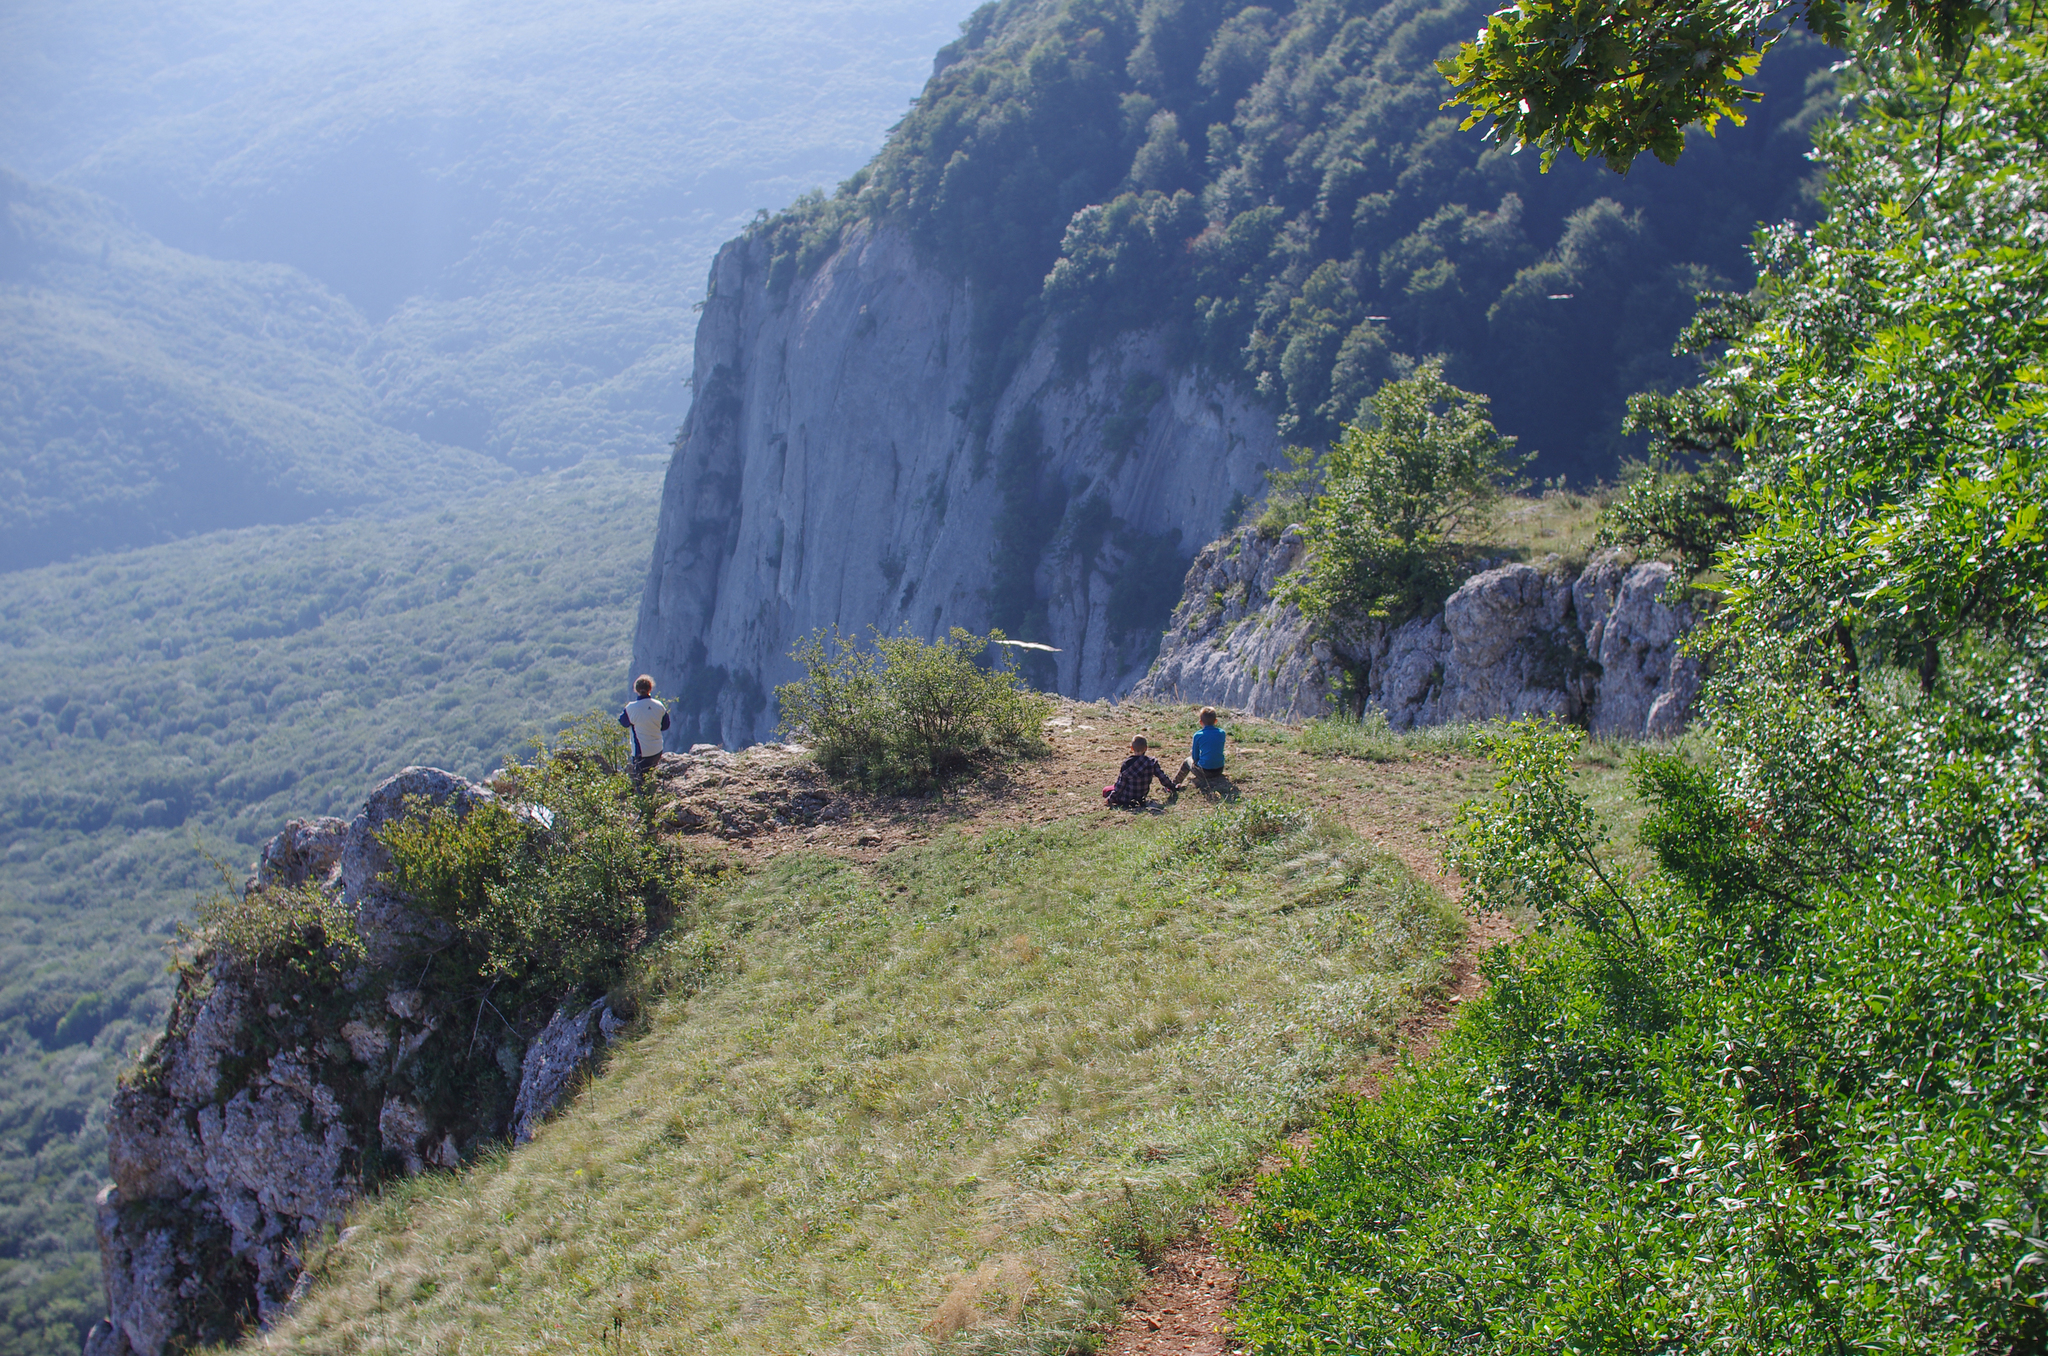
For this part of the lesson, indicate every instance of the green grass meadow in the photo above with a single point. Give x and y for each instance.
(959, 1096)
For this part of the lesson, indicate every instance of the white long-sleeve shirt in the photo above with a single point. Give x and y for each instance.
(644, 719)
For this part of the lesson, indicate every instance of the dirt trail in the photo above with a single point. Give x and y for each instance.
(1184, 1309)
(771, 801)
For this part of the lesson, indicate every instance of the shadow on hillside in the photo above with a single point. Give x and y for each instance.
(1213, 789)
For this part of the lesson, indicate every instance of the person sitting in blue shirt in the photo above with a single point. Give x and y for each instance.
(1205, 760)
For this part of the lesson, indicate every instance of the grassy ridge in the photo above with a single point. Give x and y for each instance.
(190, 697)
(966, 1090)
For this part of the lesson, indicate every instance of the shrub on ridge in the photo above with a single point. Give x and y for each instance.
(904, 715)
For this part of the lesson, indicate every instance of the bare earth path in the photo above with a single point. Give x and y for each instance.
(1184, 1309)
(1401, 807)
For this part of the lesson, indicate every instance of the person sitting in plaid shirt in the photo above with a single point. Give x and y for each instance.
(1134, 778)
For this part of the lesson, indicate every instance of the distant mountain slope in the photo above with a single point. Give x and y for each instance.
(520, 198)
(159, 704)
(147, 394)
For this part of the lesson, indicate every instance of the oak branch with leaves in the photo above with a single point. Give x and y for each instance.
(1611, 80)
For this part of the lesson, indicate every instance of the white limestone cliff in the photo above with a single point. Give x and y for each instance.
(827, 476)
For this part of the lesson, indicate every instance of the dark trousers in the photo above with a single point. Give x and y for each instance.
(1188, 765)
(643, 766)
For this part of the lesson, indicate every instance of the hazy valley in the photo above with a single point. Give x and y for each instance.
(1648, 571)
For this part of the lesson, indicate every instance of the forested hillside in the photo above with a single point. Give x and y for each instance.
(324, 247)
(163, 706)
(1280, 190)
(151, 394)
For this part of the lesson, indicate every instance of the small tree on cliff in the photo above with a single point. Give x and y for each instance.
(1424, 466)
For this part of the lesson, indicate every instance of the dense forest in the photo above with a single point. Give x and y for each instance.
(1279, 189)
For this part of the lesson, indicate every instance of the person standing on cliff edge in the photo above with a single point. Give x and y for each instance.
(644, 719)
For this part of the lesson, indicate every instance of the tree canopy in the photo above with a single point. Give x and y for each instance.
(1772, 1081)
(1610, 81)
(1279, 190)
(1423, 463)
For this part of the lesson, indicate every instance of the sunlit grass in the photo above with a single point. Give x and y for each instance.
(958, 1096)
(1370, 737)
(1557, 521)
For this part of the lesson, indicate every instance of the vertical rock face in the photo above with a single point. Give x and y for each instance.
(828, 477)
(252, 1125)
(1601, 647)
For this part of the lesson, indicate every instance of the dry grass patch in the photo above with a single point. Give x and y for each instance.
(1558, 521)
(956, 1098)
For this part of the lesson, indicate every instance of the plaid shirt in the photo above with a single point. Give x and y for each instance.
(1134, 780)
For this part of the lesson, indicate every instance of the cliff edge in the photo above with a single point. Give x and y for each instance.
(293, 1075)
(828, 476)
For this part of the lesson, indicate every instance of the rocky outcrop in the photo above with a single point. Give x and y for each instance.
(742, 796)
(561, 1052)
(1598, 647)
(828, 475)
(274, 1099)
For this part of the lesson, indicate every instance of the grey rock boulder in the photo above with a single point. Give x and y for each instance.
(1603, 646)
(309, 850)
(1231, 641)
(385, 921)
(557, 1057)
(1648, 683)
(141, 1267)
(279, 1169)
(241, 1135)
(1513, 648)
(105, 1339)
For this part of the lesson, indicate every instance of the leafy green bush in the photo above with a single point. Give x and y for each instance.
(1780, 1091)
(1685, 499)
(905, 715)
(298, 928)
(1775, 1097)
(552, 886)
(1291, 491)
(1425, 464)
